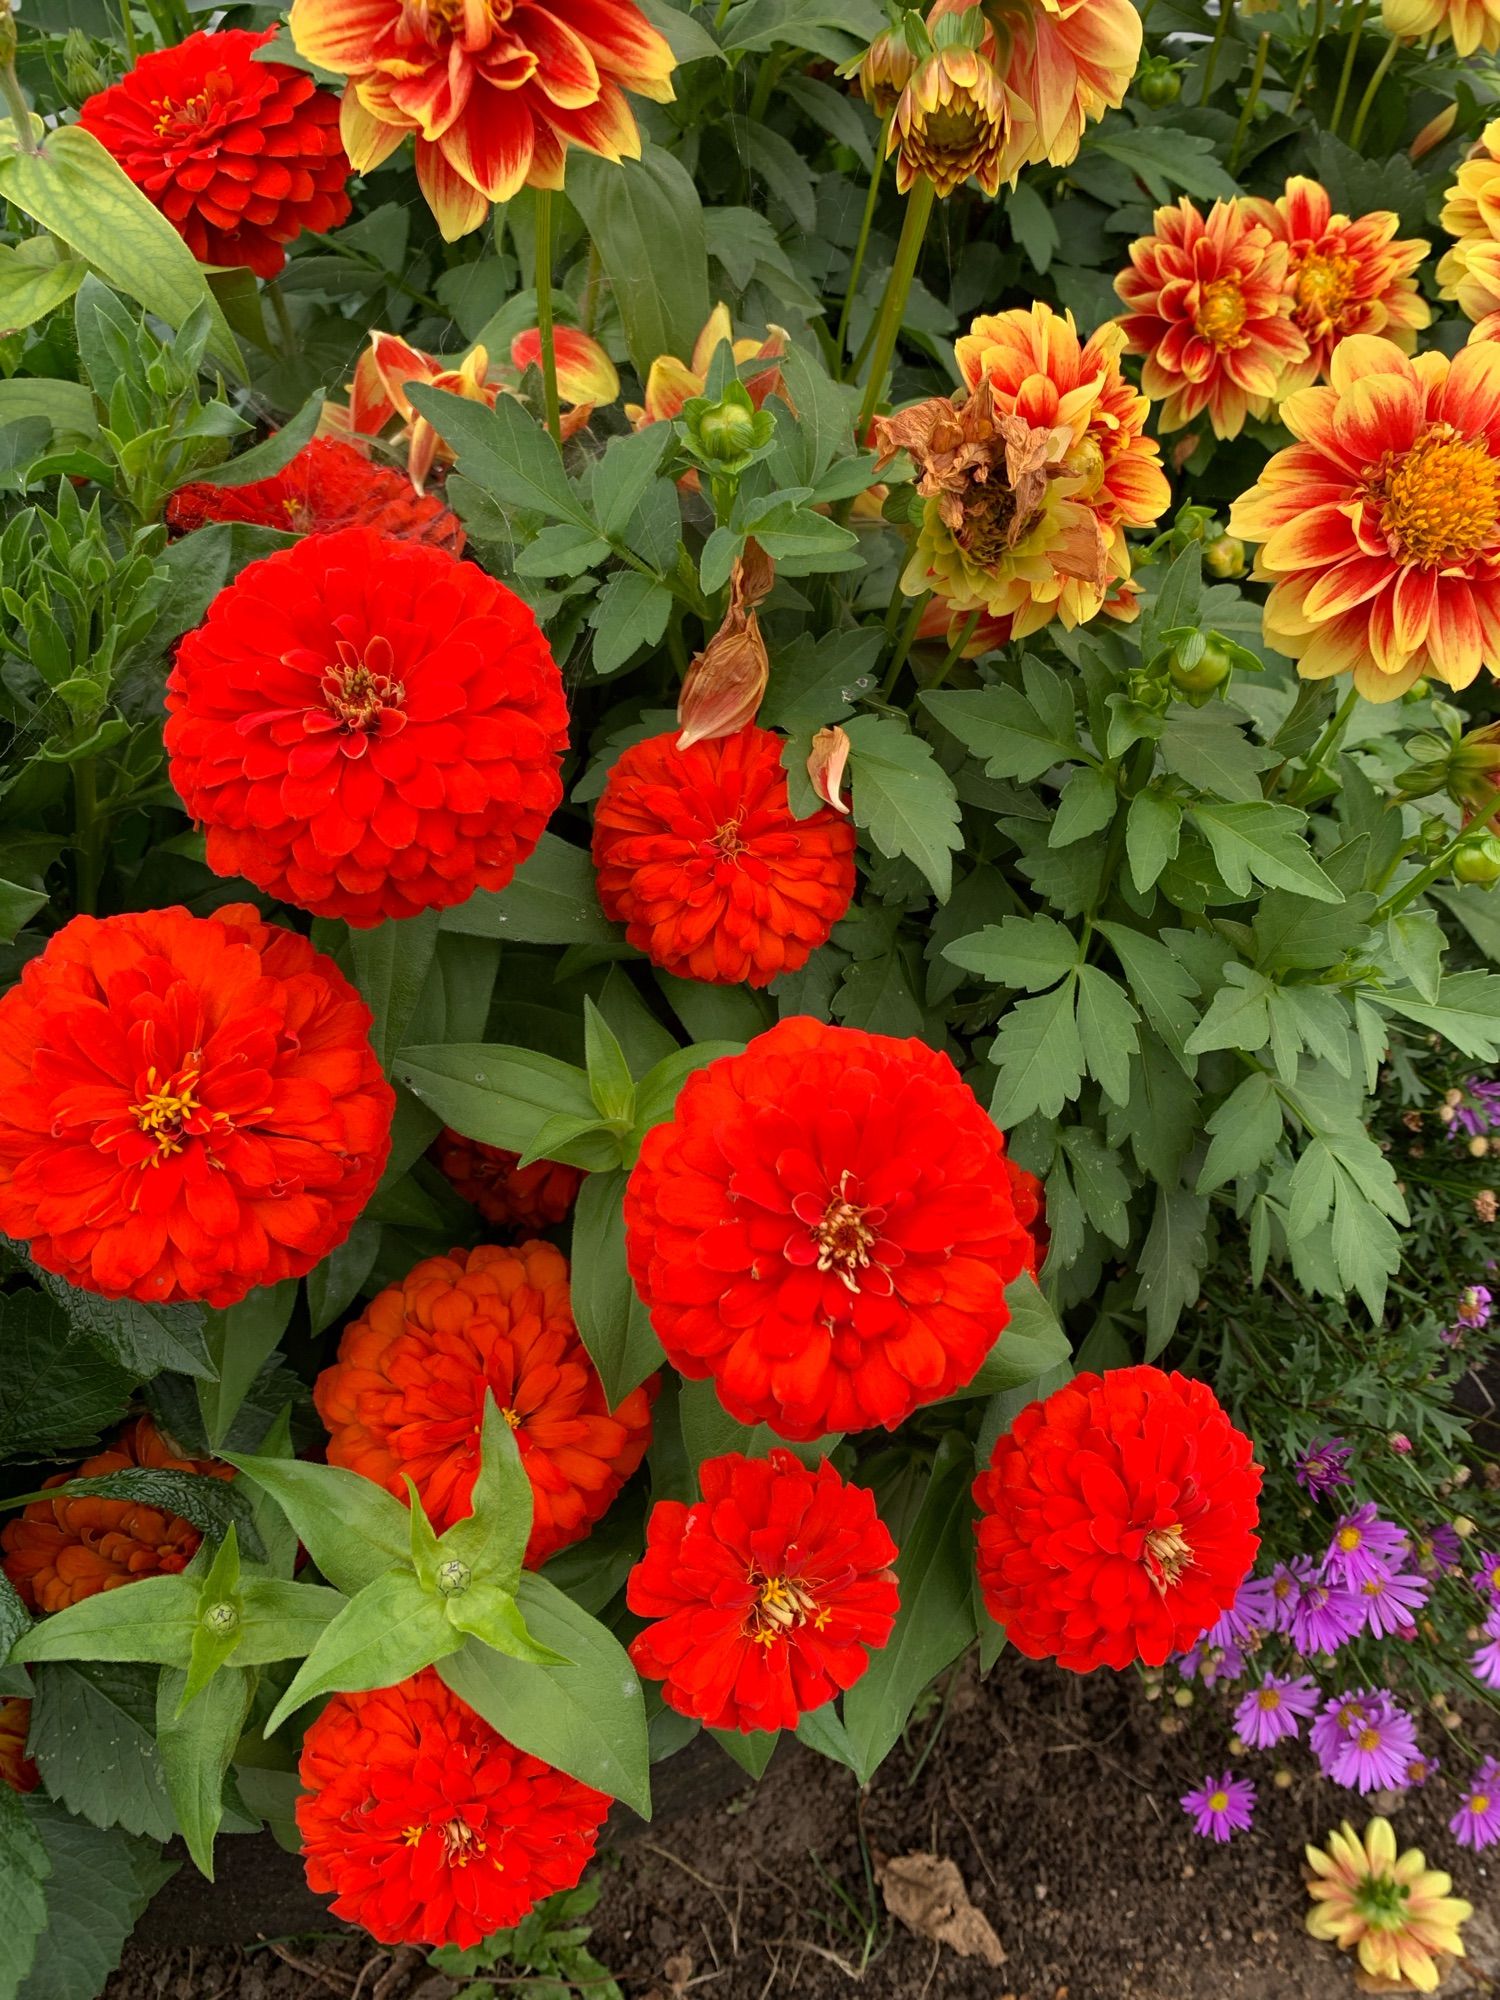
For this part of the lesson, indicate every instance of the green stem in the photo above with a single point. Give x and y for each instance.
(955, 652)
(282, 317)
(17, 107)
(1479, 823)
(765, 83)
(1346, 75)
(1211, 62)
(128, 27)
(1356, 130)
(723, 11)
(1324, 747)
(856, 265)
(903, 645)
(593, 272)
(544, 313)
(897, 290)
(87, 828)
(1263, 49)
(1320, 15)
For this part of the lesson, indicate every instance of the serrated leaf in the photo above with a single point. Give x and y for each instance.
(100, 1882)
(1164, 159)
(505, 452)
(632, 612)
(1245, 1131)
(56, 1389)
(1162, 984)
(1106, 1029)
(1238, 1016)
(904, 798)
(24, 1868)
(999, 725)
(1030, 953)
(1268, 842)
(1171, 1263)
(1153, 833)
(143, 1339)
(1087, 805)
(92, 1735)
(1207, 748)
(1039, 1055)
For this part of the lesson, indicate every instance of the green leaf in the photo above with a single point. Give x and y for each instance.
(1005, 729)
(550, 900)
(936, 1618)
(564, 549)
(1467, 1013)
(31, 285)
(210, 1504)
(240, 1339)
(1032, 1344)
(656, 1093)
(92, 1735)
(588, 1717)
(708, 1431)
(1207, 748)
(632, 612)
(353, 1529)
(390, 1630)
(611, 1085)
(492, 1539)
(501, 1095)
(1268, 842)
(505, 452)
(1245, 1131)
(612, 1322)
(265, 460)
(143, 1338)
(1165, 159)
(99, 1884)
(1175, 600)
(1087, 805)
(1159, 980)
(821, 1729)
(1031, 225)
(56, 1389)
(73, 188)
(1238, 1016)
(1153, 832)
(24, 1867)
(391, 963)
(622, 474)
(751, 1749)
(196, 1747)
(645, 219)
(17, 907)
(1026, 952)
(904, 798)
(67, 406)
(1106, 1029)
(152, 1619)
(1039, 1054)
(1171, 1262)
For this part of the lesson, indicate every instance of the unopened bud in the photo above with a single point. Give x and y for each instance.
(885, 70)
(1464, 1528)
(1478, 1147)
(725, 683)
(82, 76)
(453, 1578)
(731, 428)
(1183, 1697)
(1434, 132)
(1225, 557)
(825, 766)
(222, 1618)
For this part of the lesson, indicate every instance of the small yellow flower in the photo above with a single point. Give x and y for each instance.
(1392, 1909)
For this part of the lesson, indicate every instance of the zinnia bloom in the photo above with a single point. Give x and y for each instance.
(16, 1768)
(1381, 526)
(520, 1200)
(1476, 1824)
(1468, 24)
(1220, 1807)
(1116, 1520)
(57, 1552)
(670, 382)
(405, 1398)
(1393, 1910)
(1345, 276)
(189, 1106)
(427, 1826)
(826, 1226)
(329, 485)
(1209, 306)
(1470, 271)
(766, 1595)
(240, 156)
(367, 728)
(494, 96)
(699, 855)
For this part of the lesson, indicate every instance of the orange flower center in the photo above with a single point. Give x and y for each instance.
(470, 22)
(1222, 313)
(461, 1843)
(726, 839)
(1479, 1802)
(166, 1110)
(191, 111)
(357, 691)
(1168, 1553)
(782, 1605)
(1322, 288)
(1368, 1739)
(1439, 502)
(512, 1417)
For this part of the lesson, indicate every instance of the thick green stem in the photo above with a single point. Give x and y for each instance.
(1323, 749)
(1356, 130)
(856, 265)
(1346, 75)
(1263, 49)
(1479, 822)
(1211, 61)
(16, 106)
(904, 645)
(88, 828)
(955, 651)
(765, 83)
(283, 318)
(1320, 15)
(544, 313)
(893, 305)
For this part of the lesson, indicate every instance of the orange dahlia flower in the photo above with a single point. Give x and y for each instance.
(766, 1596)
(698, 854)
(1116, 1520)
(189, 1106)
(1210, 308)
(1468, 24)
(426, 1826)
(884, 71)
(367, 727)
(240, 156)
(954, 120)
(329, 485)
(671, 382)
(520, 1200)
(825, 1227)
(1381, 526)
(493, 93)
(1345, 277)
(1470, 272)
(16, 1768)
(405, 1398)
(57, 1552)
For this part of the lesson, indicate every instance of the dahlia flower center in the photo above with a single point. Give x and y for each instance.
(1222, 313)
(359, 691)
(782, 1605)
(512, 1417)
(1439, 502)
(992, 525)
(1381, 1901)
(170, 1111)
(1168, 1553)
(1322, 289)
(471, 22)
(954, 128)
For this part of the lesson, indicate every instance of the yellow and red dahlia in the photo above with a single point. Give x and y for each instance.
(885, 70)
(1470, 272)
(493, 93)
(671, 382)
(1345, 276)
(1210, 308)
(520, 1200)
(955, 119)
(1380, 527)
(1391, 1909)
(1468, 24)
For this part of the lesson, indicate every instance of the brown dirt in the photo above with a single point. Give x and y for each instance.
(1056, 1800)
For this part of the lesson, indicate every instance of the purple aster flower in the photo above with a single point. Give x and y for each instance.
(1321, 1467)
(1486, 1659)
(1318, 1615)
(1211, 1663)
(1363, 1740)
(1420, 1769)
(1479, 1113)
(1399, 1443)
(1392, 1602)
(1249, 1618)
(1474, 1303)
(1221, 1807)
(1439, 1548)
(1476, 1824)
(1274, 1709)
(1487, 1576)
(1363, 1546)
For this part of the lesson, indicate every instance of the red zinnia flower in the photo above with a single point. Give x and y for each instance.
(367, 727)
(328, 485)
(427, 1826)
(406, 1396)
(189, 1106)
(699, 856)
(1117, 1520)
(826, 1226)
(16, 1768)
(58, 1552)
(240, 156)
(525, 1200)
(766, 1595)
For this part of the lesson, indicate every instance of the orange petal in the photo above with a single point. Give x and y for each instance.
(825, 766)
(366, 139)
(457, 205)
(341, 35)
(395, 364)
(585, 373)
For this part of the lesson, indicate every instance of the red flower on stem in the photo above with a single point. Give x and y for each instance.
(329, 485)
(517, 1199)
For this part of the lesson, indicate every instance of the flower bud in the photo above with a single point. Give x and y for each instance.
(1225, 556)
(1158, 82)
(885, 70)
(7, 33)
(825, 766)
(221, 1619)
(1434, 132)
(1463, 1527)
(82, 76)
(454, 1578)
(1479, 1147)
(726, 681)
(728, 430)
(1478, 861)
(1200, 664)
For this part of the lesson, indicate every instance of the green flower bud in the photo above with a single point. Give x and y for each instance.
(453, 1578)
(1199, 670)
(1478, 861)
(222, 1619)
(1225, 556)
(1158, 82)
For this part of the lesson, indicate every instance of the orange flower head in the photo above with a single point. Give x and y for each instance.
(1395, 1913)
(494, 92)
(670, 382)
(240, 156)
(1468, 24)
(1380, 527)
(405, 1398)
(954, 120)
(766, 1596)
(189, 1106)
(884, 71)
(426, 1826)
(1116, 1520)
(1345, 277)
(698, 854)
(57, 1552)
(825, 1226)
(329, 485)
(519, 1200)
(1210, 307)
(1470, 272)
(16, 1768)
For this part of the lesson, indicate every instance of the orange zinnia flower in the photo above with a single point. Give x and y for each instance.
(329, 485)
(494, 94)
(16, 1768)
(521, 1200)
(61, 1551)
(1345, 277)
(1211, 311)
(1470, 271)
(1468, 24)
(406, 1395)
(1381, 526)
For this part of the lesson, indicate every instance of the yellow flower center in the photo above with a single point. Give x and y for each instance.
(512, 1417)
(461, 1843)
(727, 838)
(1322, 288)
(1268, 1699)
(844, 1238)
(166, 1109)
(1368, 1739)
(1479, 1802)
(357, 690)
(1217, 1801)
(1439, 502)
(1222, 313)
(191, 111)
(1168, 1553)
(782, 1605)
(1349, 1538)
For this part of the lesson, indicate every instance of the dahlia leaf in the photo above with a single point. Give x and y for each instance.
(612, 1322)
(632, 612)
(904, 799)
(1171, 1262)
(1032, 225)
(1239, 1015)
(1032, 1343)
(1161, 1121)
(1160, 982)
(1245, 1131)
(1163, 159)
(1153, 832)
(1467, 1013)
(1000, 726)
(1107, 1028)
(24, 1867)
(393, 1628)
(92, 1738)
(1366, 1247)
(1175, 600)
(1209, 750)
(98, 1884)
(619, 480)
(273, 454)
(353, 1529)
(1266, 841)
(1031, 953)
(565, 549)
(645, 219)
(504, 452)
(155, 1621)
(197, 1743)
(1087, 805)
(1039, 1054)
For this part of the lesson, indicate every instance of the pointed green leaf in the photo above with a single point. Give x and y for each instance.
(154, 1619)
(390, 1631)
(353, 1529)
(197, 1743)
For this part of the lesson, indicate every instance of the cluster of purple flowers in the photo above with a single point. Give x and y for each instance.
(1477, 1114)
(1364, 1739)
